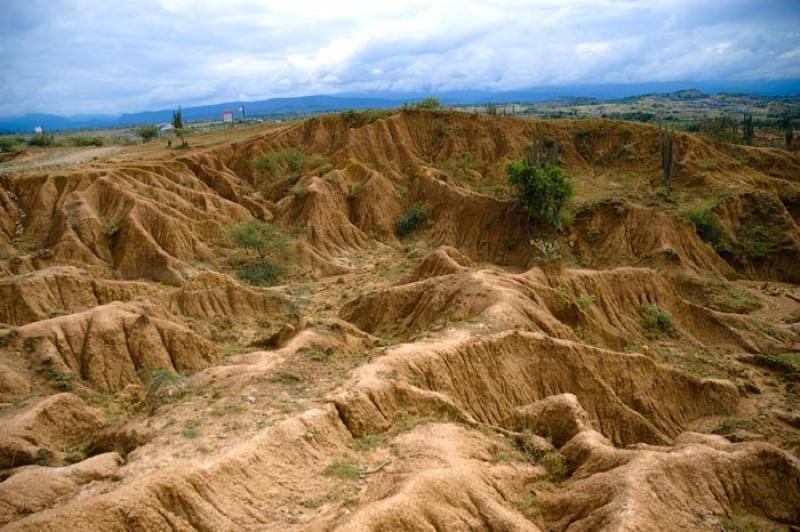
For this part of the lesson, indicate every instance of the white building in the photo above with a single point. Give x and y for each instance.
(227, 116)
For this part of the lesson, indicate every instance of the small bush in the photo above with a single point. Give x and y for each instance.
(355, 118)
(428, 103)
(530, 507)
(75, 455)
(261, 273)
(8, 145)
(342, 469)
(708, 227)
(87, 141)
(354, 190)
(190, 429)
(299, 191)
(160, 383)
(111, 228)
(26, 242)
(656, 319)
(548, 250)
(556, 464)
(285, 376)
(279, 163)
(736, 300)
(758, 241)
(585, 301)
(61, 381)
(31, 342)
(43, 456)
(7, 338)
(411, 219)
(42, 140)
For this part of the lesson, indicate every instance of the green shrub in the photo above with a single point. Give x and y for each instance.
(549, 250)
(281, 162)
(111, 228)
(299, 191)
(758, 241)
(556, 465)
(543, 190)
(355, 188)
(656, 320)
(708, 227)
(7, 338)
(285, 376)
(87, 141)
(414, 215)
(31, 342)
(75, 455)
(261, 273)
(355, 118)
(530, 507)
(8, 145)
(190, 430)
(159, 379)
(42, 140)
(736, 300)
(61, 381)
(147, 132)
(264, 238)
(428, 103)
(342, 469)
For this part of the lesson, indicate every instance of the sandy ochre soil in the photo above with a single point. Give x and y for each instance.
(452, 379)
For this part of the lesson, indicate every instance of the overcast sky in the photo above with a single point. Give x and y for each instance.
(106, 56)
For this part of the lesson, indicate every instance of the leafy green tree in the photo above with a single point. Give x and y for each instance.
(542, 189)
(147, 133)
(177, 123)
(265, 240)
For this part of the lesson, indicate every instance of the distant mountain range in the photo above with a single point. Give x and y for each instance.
(384, 100)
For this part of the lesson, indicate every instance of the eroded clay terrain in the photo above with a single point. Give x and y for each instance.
(451, 379)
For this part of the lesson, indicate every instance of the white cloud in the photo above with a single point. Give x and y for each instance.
(79, 56)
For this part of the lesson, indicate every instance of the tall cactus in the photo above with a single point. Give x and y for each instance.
(667, 157)
(747, 129)
(543, 151)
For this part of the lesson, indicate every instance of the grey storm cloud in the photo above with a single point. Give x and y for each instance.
(90, 56)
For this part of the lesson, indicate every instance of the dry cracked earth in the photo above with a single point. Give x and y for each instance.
(452, 379)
